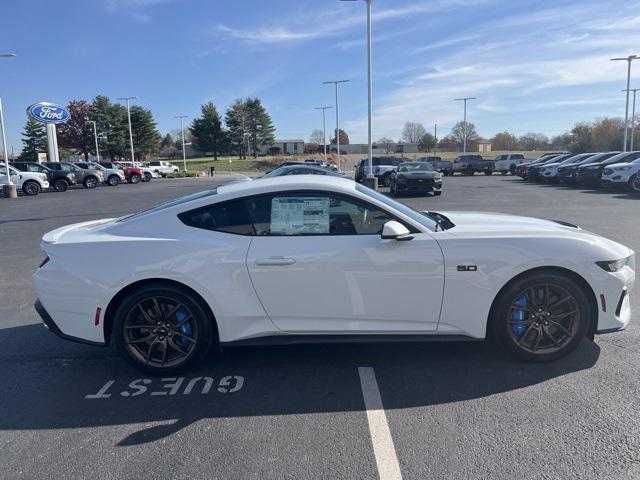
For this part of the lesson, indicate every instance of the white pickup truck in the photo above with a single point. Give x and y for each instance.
(31, 183)
(163, 168)
(508, 163)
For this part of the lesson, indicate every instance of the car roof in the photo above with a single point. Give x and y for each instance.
(293, 182)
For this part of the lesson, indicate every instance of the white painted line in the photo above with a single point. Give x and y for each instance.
(385, 452)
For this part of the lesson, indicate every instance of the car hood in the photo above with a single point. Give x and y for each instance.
(618, 165)
(420, 174)
(588, 165)
(502, 222)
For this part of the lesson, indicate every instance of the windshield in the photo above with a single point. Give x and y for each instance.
(172, 203)
(415, 167)
(400, 207)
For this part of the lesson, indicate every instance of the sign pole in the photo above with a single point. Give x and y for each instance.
(52, 143)
(8, 189)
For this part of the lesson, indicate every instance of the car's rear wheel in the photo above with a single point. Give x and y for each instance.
(162, 329)
(147, 176)
(541, 317)
(512, 169)
(437, 193)
(61, 185)
(90, 182)
(31, 187)
(113, 180)
(135, 178)
(488, 172)
(634, 183)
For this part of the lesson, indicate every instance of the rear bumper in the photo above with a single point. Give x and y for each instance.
(53, 327)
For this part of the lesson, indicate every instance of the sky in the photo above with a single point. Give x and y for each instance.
(533, 65)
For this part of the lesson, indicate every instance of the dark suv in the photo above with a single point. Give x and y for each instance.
(58, 179)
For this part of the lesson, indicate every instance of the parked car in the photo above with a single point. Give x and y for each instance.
(59, 179)
(472, 163)
(549, 171)
(567, 172)
(533, 169)
(590, 174)
(131, 174)
(87, 177)
(508, 163)
(622, 175)
(112, 176)
(443, 166)
(382, 168)
(221, 267)
(521, 169)
(148, 173)
(416, 177)
(163, 168)
(31, 183)
(304, 169)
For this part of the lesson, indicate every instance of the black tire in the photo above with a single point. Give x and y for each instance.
(542, 320)
(113, 180)
(130, 313)
(393, 191)
(488, 172)
(90, 182)
(437, 193)
(634, 183)
(386, 180)
(163, 175)
(31, 187)
(148, 177)
(503, 172)
(135, 178)
(61, 185)
(512, 169)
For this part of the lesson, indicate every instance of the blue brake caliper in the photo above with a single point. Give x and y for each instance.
(519, 316)
(184, 328)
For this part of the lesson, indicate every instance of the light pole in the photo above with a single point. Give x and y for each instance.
(633, 117)
(184, 154)
(369, 91)
(128, 99)
(336, 83)
(9, 189)
(628, 59)
(95, 136)
(464, 132)
(324, 129)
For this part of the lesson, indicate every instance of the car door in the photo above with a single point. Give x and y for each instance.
(319, 265)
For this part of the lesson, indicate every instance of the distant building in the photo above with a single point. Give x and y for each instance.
(378, 149)
(484, 146)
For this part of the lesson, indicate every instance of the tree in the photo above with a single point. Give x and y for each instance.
(112, 127)
(412, 132)
(260, 129)
(236, 120)
(534, 141)
(461, 129)
(311, 148)
(607, 134)
(344, 138)
(34, 141)
(427, 143)
(317, 136)
(167, 141)
(580, 138)
(561, 142)
(504, 141)
(76, 133)
(207, 132)
(146, 138)
(387, 143)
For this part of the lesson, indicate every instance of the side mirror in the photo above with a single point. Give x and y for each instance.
(393, 230)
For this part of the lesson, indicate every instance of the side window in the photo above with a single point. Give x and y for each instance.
(229, 217)
(314, 214)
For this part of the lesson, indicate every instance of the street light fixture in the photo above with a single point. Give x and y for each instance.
(369, 89)
(464, 132)
(628, 59)
(8, 190)
(184, 154)
(128, 99)
(336, 83)
(95, 136)
(633, 117)
(324, 129)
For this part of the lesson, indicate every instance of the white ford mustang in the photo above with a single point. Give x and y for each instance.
(304, 259)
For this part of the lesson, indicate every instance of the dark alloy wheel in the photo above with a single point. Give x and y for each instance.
(135, 178)
(437, 193)
(512, 169)
(31, 188)
(386, 180)
(541, 317)
(162, 330)
(634, 183)
(147, 176)
(90, 182)
(61, 185)
(113, 180)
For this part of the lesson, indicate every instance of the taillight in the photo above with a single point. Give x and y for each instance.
(44, 262)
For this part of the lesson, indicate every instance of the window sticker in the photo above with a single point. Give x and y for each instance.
(299, 215)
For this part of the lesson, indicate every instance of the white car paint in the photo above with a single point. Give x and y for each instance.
(163, 167)
(620, 174)
(504, 163)
(19, 178)
(260, 286)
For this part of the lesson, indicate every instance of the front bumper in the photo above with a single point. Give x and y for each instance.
(419, 185)
(53, 327)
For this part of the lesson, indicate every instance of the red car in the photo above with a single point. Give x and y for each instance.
(131, 174)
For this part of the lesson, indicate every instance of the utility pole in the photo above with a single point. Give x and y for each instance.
(133, 157)
(9, 189)
(184, 153)
(628, 59)
(95, 136)
(324, 129)
(464, 132)
(336, 83)
(435, 134)
(633, 118)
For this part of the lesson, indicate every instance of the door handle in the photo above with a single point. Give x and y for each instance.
(274, 261)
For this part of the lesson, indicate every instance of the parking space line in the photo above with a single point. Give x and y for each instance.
(385, 452)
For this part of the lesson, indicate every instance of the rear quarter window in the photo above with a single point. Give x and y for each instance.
(229, 217)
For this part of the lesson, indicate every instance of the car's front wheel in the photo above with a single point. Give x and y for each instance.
(147, 177)
(541, 317)
(163, 329)
(634, 183)
(90, 182)
(113, 180)
(61, 185)
(386, 180)
(31, 188)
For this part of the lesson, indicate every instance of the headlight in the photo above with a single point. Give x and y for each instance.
(628, 167)
(613, 265)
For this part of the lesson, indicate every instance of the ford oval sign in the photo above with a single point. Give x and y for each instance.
(46, 112)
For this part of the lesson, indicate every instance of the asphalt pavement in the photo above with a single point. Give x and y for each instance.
(413, 411)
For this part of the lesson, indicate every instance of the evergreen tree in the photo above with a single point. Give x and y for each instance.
(34, 141)
(236, 120)
(146, 138)
(260, 129)
(207, 132)
(111, 123)
(167, 141)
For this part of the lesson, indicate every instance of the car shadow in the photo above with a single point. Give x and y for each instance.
(58, 385)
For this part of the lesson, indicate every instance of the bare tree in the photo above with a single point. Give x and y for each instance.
(317, 137)
(413, 132)
(387, 143)
(462, 129)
